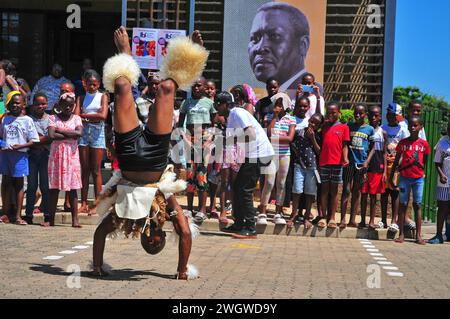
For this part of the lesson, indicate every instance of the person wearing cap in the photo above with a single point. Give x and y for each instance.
(394, 134)
(241, 125)
(281, 131)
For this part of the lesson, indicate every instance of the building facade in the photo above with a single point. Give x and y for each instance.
(358, 54)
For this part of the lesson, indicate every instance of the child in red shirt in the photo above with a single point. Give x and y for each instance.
(333, 156)
(413, 152)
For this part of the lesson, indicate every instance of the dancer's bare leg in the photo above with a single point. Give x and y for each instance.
(125, 114)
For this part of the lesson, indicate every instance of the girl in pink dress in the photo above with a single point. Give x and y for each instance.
(64, 170)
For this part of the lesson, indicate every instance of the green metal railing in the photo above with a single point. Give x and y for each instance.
(432, 123)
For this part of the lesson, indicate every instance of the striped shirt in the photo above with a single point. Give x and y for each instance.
(281, 128)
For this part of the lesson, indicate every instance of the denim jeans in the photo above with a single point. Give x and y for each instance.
(408, 185)
(38, 176)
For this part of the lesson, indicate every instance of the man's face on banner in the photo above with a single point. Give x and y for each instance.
(274, 49)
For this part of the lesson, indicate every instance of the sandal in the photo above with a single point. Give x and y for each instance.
(332, 224)
(21, 222)
(321, 224)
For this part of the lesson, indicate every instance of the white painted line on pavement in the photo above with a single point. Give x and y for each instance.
(384, 263)
(380, 258)
(67, 252)
(80, 247)
(53, 257)
(395, 274)
(390, 268)
(89, 243)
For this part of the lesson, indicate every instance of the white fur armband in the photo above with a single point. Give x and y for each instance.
(120, 65)
(184, 62)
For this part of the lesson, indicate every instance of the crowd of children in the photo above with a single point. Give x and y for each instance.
(314, 154)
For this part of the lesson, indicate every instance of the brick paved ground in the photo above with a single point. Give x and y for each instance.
(269, 267)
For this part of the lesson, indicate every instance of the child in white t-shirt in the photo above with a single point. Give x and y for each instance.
(18, 133)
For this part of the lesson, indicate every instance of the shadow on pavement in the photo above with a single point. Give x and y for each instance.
(114, 275)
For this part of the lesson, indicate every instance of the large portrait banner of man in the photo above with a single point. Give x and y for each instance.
(279, 40)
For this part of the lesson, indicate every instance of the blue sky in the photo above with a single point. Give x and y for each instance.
(422, 46)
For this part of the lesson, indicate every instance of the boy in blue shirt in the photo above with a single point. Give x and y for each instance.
(360, 154)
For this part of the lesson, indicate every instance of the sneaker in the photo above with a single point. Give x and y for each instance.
(232, 229)
(200, 217)
(279, 220)
(436, 240)
(262, 219)
(228, 205)
(245, 234)
(393, 228)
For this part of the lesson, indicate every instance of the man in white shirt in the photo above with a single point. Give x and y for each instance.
(258, 152)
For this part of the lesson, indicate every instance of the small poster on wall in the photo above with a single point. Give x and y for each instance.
(149, 46)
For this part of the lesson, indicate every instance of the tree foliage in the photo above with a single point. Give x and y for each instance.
(404, 95)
